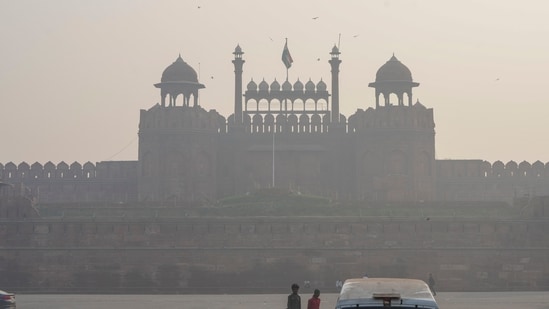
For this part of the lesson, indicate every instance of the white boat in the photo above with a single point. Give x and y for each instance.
(385, 292)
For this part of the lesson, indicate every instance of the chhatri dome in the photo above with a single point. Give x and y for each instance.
(393, 70)
(179, 79)
(393, 78)
(179, 71)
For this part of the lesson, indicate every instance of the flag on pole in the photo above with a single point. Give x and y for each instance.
(286, 57)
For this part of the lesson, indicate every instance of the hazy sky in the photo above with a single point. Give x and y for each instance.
(75, 74)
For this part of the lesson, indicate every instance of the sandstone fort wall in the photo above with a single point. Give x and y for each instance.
(259, 255)
(116, 181)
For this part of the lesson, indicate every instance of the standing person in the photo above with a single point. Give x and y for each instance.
(294, 300)
(432, 284)
(314, 302)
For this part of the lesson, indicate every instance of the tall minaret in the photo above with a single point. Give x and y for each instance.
(334, 62)
(238, 63)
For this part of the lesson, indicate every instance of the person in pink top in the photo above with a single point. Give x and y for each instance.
(314, 302)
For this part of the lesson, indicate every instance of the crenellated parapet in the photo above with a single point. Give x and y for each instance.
(181, 118)
(415, 117)
(522, 170)
(25, 172)
(497, 170)
(108, 181)
(484, 181)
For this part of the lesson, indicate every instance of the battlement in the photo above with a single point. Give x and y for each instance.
(62, 171)
(483, 169)
(180, 119)
(116, 181)
(107, 181)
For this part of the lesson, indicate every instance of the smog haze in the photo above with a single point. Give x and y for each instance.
(74, 75)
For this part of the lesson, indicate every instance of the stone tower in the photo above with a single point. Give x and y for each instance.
(334, 63)
(238, 64)
(395, 141)
(178, 143)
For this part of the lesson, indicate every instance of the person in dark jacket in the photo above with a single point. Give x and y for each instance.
(294, 300)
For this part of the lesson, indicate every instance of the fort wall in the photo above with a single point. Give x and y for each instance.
(265, 254)
(108, 181)
(117, 181)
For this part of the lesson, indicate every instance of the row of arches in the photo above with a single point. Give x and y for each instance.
(293, 123)
(275, 86)
(289, 105)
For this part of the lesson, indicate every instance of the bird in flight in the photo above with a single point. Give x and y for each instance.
(315, 17)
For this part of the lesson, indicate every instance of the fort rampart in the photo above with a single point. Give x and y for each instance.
(265, 254)
(116, 181)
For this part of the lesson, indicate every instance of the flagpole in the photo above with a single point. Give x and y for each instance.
(287, 59)
(273, 157)
(285, 46)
